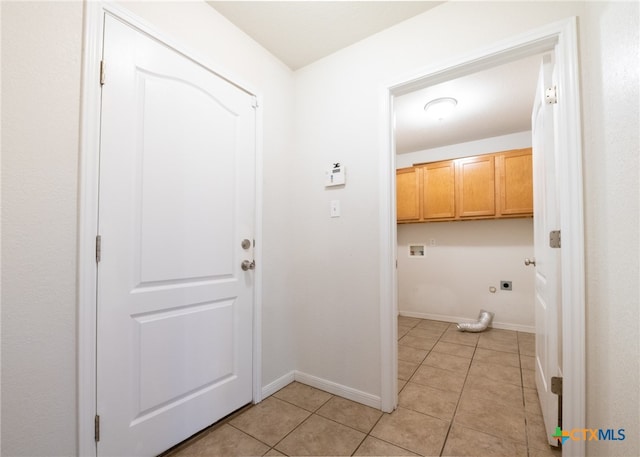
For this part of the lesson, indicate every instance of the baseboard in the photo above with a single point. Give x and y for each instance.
(338, 389)
(455, 319)
(278, 384)
(322, 384)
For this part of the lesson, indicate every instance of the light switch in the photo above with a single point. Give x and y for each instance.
(335, 208)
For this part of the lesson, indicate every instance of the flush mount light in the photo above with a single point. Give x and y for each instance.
(440, 108)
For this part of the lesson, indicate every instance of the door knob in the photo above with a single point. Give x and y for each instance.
(528, 262)
(248, 265)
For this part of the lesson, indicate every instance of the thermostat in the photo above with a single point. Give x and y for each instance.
(335, 176)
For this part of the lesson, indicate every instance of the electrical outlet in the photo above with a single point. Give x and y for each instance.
(506, 285)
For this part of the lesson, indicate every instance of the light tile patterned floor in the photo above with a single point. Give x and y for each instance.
(460, 394)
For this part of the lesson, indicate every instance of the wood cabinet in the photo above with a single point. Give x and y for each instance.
(438, 190)
(476, 186)
(488, 186)
(408, 194)
(515, 182)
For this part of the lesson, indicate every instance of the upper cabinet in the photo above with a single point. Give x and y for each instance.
(438, 190)
(408, 194)
(515, 182)
(476, 178)
(481, 187)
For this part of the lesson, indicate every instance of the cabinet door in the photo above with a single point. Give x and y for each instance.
(515, 182)
(408, 194)
(438, 190)
(476, 186)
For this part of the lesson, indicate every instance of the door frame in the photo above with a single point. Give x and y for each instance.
(561, 36)
(88, 208)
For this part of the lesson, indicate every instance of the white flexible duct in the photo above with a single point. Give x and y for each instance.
(484, 320)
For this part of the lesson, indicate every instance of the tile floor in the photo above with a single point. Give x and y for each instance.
(460, 394)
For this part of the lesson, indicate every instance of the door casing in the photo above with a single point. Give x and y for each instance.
(562, 36)
(88, 209)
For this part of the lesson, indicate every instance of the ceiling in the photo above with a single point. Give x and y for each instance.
(494, 102)
(301, 32)
(491, 103)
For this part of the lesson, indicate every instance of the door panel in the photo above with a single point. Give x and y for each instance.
(548, 281)
(161, 347)
(177, 191)
(172, 181)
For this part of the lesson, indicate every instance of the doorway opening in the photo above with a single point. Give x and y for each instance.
(473, 166)
(561, 38)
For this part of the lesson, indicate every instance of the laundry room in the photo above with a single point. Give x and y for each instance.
(465, 197)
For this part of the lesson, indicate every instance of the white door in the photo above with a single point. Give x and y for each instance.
(547, 278)
(177, 180)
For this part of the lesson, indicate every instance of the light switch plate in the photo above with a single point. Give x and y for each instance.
(335, 208)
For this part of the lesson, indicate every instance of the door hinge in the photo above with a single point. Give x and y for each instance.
(98, 248)
(554, 239)
(556, 388)
(96, 428)
(551, 95)
(102, 72)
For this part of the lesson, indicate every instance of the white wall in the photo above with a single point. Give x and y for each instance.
(517, 140)
(41, 53)
(337, 118)
(451, 282)
(41, 56)
(610, 67)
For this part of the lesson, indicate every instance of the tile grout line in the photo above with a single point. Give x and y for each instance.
(290, 432)
(522, 387)
(526, 419)
(368, 434)
(475, 347)
(455, 410)
(444, 331)
(305, 420)
(250, 436)
(528, 451)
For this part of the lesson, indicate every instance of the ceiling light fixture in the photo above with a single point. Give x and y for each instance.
(440, 108)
